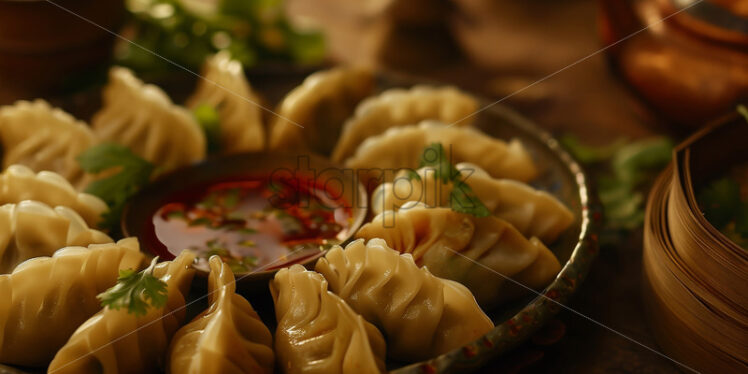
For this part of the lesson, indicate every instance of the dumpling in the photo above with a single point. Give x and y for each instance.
(141, 117)
(44, 138)
(228, 337)
(320, 105)
(380, 157)
(477, 252)
(226, 89)
(533, 212)
(422, 316)
(318, 332)
(400, 107)
(32, 229)
(18, 183)
(114, 341)
(45, 299)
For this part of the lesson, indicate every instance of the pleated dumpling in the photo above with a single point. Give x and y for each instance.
(379, 157)
(18, 183)
(422, 316)
(400, 107)
(44, 138)
(32, 229)
(228, 338)
(141, 117)
(45, 299)
(225, 88)
(310, 117)
(533, 212)
(318, 332)
(115, 341)
(477, 252)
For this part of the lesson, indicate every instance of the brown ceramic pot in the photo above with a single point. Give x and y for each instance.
(43, 46)
(690, 63)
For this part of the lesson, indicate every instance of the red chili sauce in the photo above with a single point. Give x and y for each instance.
(253, 224)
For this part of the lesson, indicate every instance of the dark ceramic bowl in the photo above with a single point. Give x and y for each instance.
(138, 216)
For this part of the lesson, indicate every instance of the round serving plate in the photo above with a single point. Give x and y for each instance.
(559, 175)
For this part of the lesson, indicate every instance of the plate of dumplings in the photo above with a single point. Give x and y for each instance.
(500, 235)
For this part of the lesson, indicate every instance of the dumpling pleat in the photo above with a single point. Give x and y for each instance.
(410, 306)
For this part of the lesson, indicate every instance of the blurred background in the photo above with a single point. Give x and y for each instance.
(591, 72)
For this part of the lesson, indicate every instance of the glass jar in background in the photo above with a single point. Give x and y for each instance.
(687, 59)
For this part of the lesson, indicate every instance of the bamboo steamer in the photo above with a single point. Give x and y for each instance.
(695, 279)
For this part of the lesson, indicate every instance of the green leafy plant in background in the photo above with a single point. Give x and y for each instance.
(122, 175)
(186, 31)
(623, 171)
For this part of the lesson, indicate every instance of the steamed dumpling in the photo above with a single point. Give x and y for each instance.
(320, 105)
(45, 299)
(227, 338)
(226, 89)
(32, 229)
(114, 341)
(533, 212)
(421, 315)
(141, 117)
(477, 252)
(380, 157)
(18, 183)
(400, 107)
(318, 332)
(44, 138)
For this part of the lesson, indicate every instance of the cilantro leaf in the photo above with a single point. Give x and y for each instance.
(210, 122)
(130, 174)
(462, 199)
(434, 157)
(413, 175)
(136, 291)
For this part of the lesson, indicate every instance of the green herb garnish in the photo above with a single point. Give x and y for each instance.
(462, 199)
(242, 265)
(231, 199)
(720, 201)
(743, 111)
(247, 230)
(209, 121)
(434, 157)
(136, 291)
(247, 243)
(132, 173)
(201, 221)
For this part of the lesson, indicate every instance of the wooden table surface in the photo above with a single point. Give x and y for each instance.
(507, 45)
